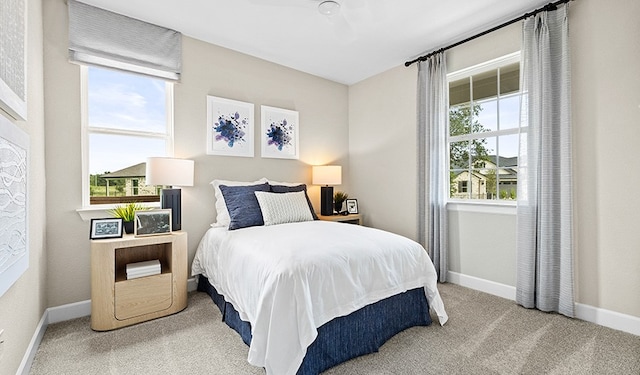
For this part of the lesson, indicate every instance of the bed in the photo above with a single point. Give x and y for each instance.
(306, 294)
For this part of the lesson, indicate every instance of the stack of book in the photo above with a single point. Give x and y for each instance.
(142, 269)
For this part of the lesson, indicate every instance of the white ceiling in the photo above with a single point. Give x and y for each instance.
(367, 37)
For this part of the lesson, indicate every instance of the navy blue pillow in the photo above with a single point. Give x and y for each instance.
(242, 205)
(293, 189)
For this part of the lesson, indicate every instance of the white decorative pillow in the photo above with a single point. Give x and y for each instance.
(284, 183)
(223, 219)
(280, 208)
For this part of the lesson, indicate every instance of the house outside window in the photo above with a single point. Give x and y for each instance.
(484, 127)
(127, 117)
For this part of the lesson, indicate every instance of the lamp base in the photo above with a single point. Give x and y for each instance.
(326, 200)
(171, 198)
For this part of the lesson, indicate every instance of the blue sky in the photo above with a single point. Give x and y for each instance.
(124, 101)
(509, 119)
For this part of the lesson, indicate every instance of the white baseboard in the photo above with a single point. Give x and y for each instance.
(487, 286)
(608, 318)
(603, 317)
(30, 354)
(67, 312)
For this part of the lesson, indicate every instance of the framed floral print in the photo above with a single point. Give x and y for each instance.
(279, 133)
(229, 127)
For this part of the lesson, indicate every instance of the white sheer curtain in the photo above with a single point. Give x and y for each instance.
(433, 115)
(544, 218)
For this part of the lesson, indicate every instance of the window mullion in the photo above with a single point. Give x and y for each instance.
(169, 118)
(133, 133)
(471, 119)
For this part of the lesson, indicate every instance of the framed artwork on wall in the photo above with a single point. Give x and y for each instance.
(230, 126)
(279, 133)
(14, 244)
(13, 65)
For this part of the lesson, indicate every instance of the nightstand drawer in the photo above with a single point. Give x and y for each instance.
(142, 296)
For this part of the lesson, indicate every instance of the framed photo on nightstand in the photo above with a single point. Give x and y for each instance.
(106, 228)
(152, 222)
(352, 206)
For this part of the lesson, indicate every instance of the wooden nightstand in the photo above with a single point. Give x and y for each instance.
(117, 302)
(351, 218)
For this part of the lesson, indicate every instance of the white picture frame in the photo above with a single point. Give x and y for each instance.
(279, 134)
(230, 127)
(152, 222)
(352, 206)
(13, 63)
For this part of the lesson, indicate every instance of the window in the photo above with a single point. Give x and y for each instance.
(484, 127)
(463, 186)
(127, 118)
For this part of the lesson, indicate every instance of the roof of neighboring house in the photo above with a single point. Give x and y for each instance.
(138, 170)
(504, 162)
(474, 173)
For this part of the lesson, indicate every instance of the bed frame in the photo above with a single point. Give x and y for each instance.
(359, 333)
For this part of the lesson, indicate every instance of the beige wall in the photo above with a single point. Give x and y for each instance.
(207, 70)
(22, 306)
(606, 109)
(605, 103)
(382, 150)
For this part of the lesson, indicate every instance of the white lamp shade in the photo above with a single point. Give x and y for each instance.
(169, 172)
(327, 174)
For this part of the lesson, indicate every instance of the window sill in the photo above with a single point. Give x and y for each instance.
(505, 208)
(102, 211)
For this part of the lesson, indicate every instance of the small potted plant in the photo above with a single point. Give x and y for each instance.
(338, 199)
(128, 213)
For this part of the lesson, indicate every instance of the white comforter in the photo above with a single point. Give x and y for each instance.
(289, 279)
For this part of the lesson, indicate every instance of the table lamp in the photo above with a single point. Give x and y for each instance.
(326, 175)
(170, 172)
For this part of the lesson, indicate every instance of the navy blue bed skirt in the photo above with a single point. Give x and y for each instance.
(359, 333)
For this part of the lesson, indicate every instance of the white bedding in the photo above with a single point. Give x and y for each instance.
(289, 279)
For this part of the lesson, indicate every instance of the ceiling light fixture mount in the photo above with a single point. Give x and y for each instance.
(329, 7)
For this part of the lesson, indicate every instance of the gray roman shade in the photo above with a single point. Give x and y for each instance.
(100, 37)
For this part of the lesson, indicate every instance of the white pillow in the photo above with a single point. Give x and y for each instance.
(223, 219)
(285, 183)
(279, 208)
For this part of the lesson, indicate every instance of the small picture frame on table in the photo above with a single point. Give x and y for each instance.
(352, 206)
(106, 228)
(152, 222)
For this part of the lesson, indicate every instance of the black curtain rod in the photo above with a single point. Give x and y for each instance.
(548, 7)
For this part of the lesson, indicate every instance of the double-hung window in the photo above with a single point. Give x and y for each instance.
(484, 127)
(127, 118)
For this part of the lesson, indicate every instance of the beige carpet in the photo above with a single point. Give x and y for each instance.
(485, 335)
